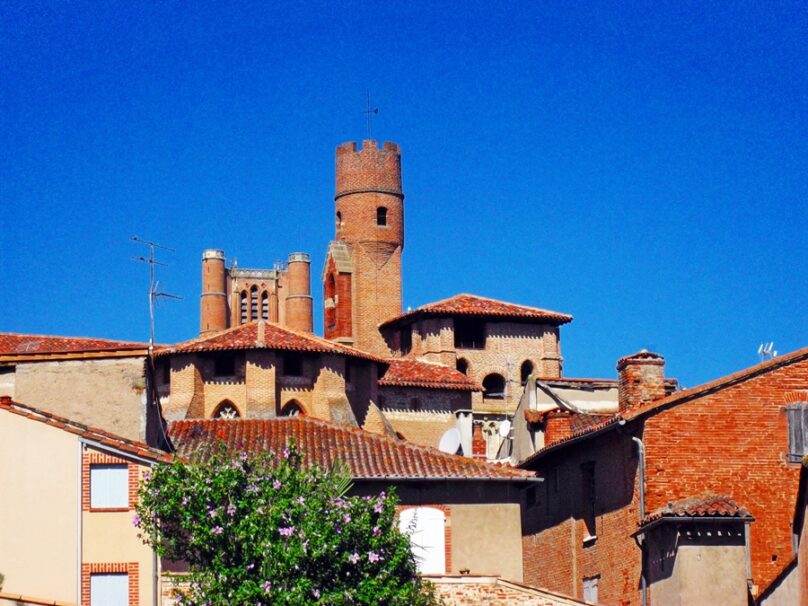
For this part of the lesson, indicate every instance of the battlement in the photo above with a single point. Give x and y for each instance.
(368, 144)
(370, 169)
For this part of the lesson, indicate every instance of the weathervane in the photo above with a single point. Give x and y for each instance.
(370, 110)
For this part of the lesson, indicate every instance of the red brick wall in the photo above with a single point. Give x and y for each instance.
(130, 568)
(733, 442)
(337, 319)
(554, 552)
(557, 427)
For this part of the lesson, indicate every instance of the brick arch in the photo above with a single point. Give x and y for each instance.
(288, 409)
(494, 383)
(224, 406)
(525, 370)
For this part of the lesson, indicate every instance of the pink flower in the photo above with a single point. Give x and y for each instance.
(217, 530)
(373, 557)
(315, 593)
(287, 531)
(379, 506)
(231, 510)
(353, 558)
(276, 484)
(266, 586)
(376, 531)
(137, 521)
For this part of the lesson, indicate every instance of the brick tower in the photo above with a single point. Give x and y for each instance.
(213, 303)
(362, 274)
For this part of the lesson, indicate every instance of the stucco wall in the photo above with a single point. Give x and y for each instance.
(105, 393)
(39, 476)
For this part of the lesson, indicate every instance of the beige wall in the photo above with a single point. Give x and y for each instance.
(497, 550)
(39, 476)
(105, 393)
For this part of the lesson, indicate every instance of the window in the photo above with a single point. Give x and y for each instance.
(588, 499)
(109, 590)
(426, 527)
(591, 590)
(292, 365)
(494, 387)
(462, 365)
(381, 216)
(526, 370)
(109, 487)
(797, 431)
(226, 410)
(292, 409)
(254, 303)
(224, 366)
(339, 219)
(469, 333)
(243, 306)
(264, 305)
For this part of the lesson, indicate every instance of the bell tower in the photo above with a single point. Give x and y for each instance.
(362, 277)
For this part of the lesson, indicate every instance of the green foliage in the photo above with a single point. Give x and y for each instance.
(265, 530)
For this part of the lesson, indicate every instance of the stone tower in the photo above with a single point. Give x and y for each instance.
(362, 274)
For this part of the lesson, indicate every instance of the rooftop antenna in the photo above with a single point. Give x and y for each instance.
(370, 110)
(154, 293)
(766, 351)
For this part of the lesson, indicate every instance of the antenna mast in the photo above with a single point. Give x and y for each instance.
(369, 111)
(154, 293)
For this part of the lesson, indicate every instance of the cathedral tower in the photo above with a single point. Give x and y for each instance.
(213, 303)
(362, 276)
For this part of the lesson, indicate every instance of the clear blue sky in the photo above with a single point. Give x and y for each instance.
(643, 166)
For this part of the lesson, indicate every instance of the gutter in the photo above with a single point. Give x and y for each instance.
(118, 451)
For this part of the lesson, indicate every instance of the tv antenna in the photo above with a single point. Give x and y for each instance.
(766, 351)
(369, 111)
(154, 293)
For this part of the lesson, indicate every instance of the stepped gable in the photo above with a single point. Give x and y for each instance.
(414, 373)
(87, 432)
(369, 456)
(260, 334)
(472, 305)
(24, 344)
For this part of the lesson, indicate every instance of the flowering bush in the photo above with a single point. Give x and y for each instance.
(265, 530)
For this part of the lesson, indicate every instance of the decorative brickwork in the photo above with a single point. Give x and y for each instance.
(132, 569)
(92, 457)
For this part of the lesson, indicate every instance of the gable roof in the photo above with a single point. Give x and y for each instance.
(679, 397)
(25, 345)
(260, 334)
(103, 438)
(705, 506)
(472, 305)
(415, 373)
(369, 455)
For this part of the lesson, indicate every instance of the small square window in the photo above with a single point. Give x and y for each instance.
(109, 487)
(109, 590)
(224, 366)
(292, 365)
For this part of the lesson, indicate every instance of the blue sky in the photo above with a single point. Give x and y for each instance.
(639, 165)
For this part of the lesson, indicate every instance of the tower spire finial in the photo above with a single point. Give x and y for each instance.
(370, 110)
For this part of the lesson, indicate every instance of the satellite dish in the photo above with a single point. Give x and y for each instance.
(504, 428)
(450, 441)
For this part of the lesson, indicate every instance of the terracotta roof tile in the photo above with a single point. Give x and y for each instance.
(369, 456)
(472, 305)
(132, 447)
(17, 343)
(265, 335)
(414, 373)
(705, 506)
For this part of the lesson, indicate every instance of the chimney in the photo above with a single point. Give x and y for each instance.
(641, 379)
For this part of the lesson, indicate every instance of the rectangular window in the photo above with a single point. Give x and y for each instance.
(591, 590)
(292, 365)
(588, 499)
(109, 590)
(469, 333)
(224, 365)
(109, 487)
(797, 431)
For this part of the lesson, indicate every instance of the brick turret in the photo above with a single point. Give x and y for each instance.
(369, 241)
(213, 302)
(641, 379)
(298, 296)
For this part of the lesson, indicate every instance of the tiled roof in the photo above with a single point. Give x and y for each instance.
(472, 305)
(414, 373)
(705, 506)
(84, 431)
(369, 456)
(265, 335)
(22, 344)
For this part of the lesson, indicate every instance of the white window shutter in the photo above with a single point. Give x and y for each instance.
(426, 528)
(109, 590)
(109, 486)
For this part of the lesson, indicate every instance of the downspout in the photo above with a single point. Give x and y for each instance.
(155, 579)
(79, 520)
(748, 549)
(641, 453)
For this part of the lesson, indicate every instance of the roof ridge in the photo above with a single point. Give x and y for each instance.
(39, 336)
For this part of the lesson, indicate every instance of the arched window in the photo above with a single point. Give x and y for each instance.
(265, 305)
(292, 408)
(494, 386)
(427, 529)
(226, 410)
(381, 216)
(462, 365)
(243, 306)
(339, 219)
(526, 370)
(254, 303)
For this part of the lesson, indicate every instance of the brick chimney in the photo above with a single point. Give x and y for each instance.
(641, 379)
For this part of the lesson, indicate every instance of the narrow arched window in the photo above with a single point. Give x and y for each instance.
(339, 219)
(243, 306)
(462, 365)
(494, 386)
(292, 408)
(381, 216)
(265, 305)
(254, 303)
(226, 410)
(526, 370)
